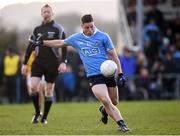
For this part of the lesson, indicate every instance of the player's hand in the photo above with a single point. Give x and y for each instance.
(24, 70)
(121, 80)
(62, 67)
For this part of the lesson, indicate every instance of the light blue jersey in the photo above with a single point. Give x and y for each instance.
(92, 49)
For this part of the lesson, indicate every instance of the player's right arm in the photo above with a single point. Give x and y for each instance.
(54, 43)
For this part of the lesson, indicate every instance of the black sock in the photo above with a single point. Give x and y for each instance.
(47, 106)
(35, 100)
(104, 111)
(120, 123)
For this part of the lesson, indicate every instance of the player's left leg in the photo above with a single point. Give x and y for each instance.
(41, 90)
(114, 96)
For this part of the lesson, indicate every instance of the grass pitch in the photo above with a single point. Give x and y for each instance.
(145, 117)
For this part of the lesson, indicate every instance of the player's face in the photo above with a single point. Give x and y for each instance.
(47, 14)
(88, 28)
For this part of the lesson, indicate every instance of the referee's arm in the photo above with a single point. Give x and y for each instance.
(26, 58)
(29, 50)
(64, 50)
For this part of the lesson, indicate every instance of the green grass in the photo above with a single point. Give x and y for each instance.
(145, 117)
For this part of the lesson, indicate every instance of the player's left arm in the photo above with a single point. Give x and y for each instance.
(112, 54)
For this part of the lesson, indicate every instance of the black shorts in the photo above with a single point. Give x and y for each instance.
(100, 79)
(49, 71)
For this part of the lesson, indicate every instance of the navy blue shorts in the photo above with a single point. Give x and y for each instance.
(100, 79)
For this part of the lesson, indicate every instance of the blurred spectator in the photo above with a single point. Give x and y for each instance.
(128, 64)
(169, 34)
(131, 11)
(157, 67)
(134, 30)
(148, 82)
(156, 70)
(58, 88)
(84, 92)
(176, 54)
(69, 82)
(176, 25)
(164, 46)
(1, 68)
(1, 78)
(155, 14)
(152, 40)
(131, 17)
(168, 81)
(141, 60)
(11, 65)
(144, 79)
(74, 63)
(168, 66)
(167, 41)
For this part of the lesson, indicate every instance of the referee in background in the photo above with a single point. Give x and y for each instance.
(46, 62)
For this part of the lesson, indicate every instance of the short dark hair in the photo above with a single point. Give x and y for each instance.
(86, 18)
(46, 6)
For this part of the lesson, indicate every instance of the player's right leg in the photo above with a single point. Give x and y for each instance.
(101, 93)
(113, 94)
(35, 98)
(104, 117)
